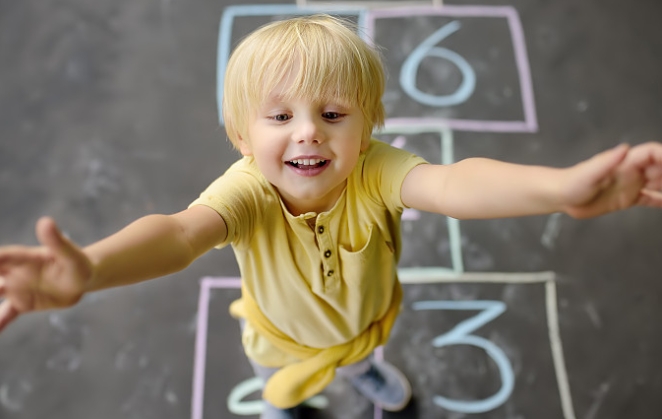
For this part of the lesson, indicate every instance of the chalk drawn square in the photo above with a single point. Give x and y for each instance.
(466, 66)
(525, 332)
(256, 15)
(220, 366)
(510, 365)
(219, 362)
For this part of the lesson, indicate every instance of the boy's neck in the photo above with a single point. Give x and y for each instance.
(297, 207)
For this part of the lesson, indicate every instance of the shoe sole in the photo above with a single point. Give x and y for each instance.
(407, 387)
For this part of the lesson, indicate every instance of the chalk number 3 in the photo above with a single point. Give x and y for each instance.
(461, 335)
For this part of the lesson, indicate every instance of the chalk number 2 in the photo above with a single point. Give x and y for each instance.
(461, 335)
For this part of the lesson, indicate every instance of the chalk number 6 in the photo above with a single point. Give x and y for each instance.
(427, 48)
(460, 335)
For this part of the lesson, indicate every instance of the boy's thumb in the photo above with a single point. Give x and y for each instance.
(603, 164)
(50, 236)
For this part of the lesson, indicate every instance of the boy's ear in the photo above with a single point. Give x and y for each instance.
(244, 147)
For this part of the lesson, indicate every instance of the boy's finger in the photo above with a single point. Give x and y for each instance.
(7, 314)
(644, 155)
(15, 255)
(50, 236)
(3, 286)
(603, 164)
(616, 155)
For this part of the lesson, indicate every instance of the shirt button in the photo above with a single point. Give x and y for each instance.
(330, 273)
(327, 254)
(320, 229)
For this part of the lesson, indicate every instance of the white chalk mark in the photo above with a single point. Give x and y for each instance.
(379, 356)
(411, 214)
(582, 106)
(317, 402)
(200, 351)
(454, 235)
(422, 275)
(99, 178)
(593, 315)
(14, 402)
(399, 142)
(552, 229)
(56, 320)
(66, 359)
(461, 335)
(369, 4)
(599, 399)
(147, 389)
(6, 401)
(428, 48)
(171, 397)
(557, 351)
(123, 356)
(239, 406)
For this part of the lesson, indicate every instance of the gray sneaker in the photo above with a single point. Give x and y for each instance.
(271, 412)
(384, 385)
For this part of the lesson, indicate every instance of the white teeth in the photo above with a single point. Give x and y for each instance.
(307, 162)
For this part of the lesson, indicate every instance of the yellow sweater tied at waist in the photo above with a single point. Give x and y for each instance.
(297, 382)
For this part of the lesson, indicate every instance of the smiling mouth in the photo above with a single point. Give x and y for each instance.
(307, 163)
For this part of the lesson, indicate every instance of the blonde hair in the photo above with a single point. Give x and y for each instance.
(327, 58)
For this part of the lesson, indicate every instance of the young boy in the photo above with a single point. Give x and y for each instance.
(313, 211)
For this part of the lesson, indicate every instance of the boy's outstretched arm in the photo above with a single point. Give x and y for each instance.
(482, 188)
(59, 272)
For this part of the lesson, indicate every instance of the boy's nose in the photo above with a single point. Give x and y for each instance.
(307, 132)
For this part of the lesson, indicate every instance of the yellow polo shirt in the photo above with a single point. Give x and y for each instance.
(319, 286)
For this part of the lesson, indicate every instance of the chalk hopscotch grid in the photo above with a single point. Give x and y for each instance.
(366, 23)
(546, 278)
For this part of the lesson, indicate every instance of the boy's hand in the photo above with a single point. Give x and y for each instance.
(614, 180)
(645, 160)
(40, 278)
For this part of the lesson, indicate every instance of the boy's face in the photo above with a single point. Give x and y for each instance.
(306, 149)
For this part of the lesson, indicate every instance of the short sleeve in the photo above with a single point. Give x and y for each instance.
(235, 196)
(384, 171)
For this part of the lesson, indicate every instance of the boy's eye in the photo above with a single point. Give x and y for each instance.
(281, 117)
(331, 115)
